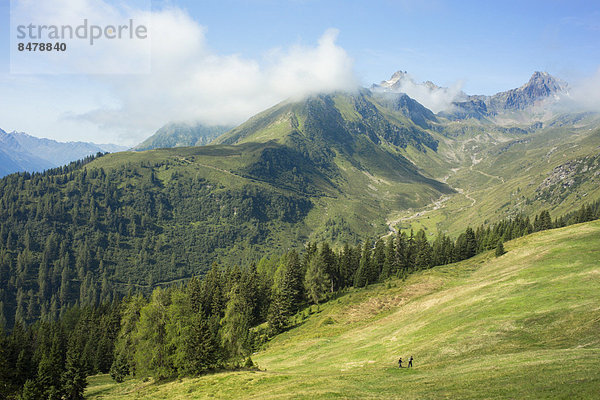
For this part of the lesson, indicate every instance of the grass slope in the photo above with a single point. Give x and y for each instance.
(524, 325)
(497, 176)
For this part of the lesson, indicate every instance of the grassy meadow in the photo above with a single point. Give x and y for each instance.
(524, 325)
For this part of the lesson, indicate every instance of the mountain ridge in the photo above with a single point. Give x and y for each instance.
(541, 87)
(21, 152)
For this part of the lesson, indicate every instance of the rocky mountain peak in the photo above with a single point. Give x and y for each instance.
(542, 84)
(395, 81)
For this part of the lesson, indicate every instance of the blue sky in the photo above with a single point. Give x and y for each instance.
(491, 45)
(486, 46)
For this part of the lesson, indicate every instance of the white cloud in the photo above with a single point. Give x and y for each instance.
(428, 94)
(586, 93)
(191, 82)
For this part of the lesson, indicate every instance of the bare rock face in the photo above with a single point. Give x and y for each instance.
(541, 86)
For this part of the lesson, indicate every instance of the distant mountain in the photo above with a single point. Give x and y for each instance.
(22, 152)
(430, 95)
(541, 86)
(541, 89)
(181, 135)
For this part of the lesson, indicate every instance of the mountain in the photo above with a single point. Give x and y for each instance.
(22, 152)
(430, 95)
(181, 135)
(329, 167)
(542, 90)
(541, 86)
(14, 158)
(408, 107)
(338, 167)
(400, 80)
(457, 105)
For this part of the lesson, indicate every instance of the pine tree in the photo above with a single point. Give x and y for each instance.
(236, 323)
(31, 391)
(471, 243)
(400, 253)
(424, 256)
(200, 346)
(361, 278)
(500, 248)
(277, 318)
(74, 378)
(378, 260)
(389, 265)
(345, 266)
(316, 280)
(328, 261)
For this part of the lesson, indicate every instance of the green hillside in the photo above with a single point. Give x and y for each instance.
(327, 168)
(524, 325)
(499, 172)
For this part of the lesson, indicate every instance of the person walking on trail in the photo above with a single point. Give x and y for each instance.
(400, 363)
(410, 360)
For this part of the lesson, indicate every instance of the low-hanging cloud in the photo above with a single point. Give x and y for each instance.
(428, 94)
(191, 82)
(585, 94)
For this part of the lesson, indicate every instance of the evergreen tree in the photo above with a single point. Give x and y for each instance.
(74, 378)
(236, 323)
(361, 278)
(316, 280)
(31, 391)
(389, 265)
(401, 253)
(500, 248)
(424, 256)
(378, 260)
(329, 264)
(277, 318)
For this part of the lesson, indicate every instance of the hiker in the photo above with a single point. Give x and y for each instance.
(410, 362)
(400, 363)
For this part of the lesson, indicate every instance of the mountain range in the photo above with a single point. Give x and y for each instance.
(337, 167)
(21, 152)
(542, 89)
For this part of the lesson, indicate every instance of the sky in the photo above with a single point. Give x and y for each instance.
(220, 62)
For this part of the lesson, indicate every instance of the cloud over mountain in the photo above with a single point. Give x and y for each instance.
(430, 95)
(191, 82)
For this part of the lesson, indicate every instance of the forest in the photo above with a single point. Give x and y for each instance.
(77, 236)
(216, 321)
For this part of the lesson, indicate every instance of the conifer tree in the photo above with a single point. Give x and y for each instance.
(316, 280)
(74, 378)
(500, 248)
(389, 265)
(424, 257)
(236, 323)
(378, 260)
(361, 278)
